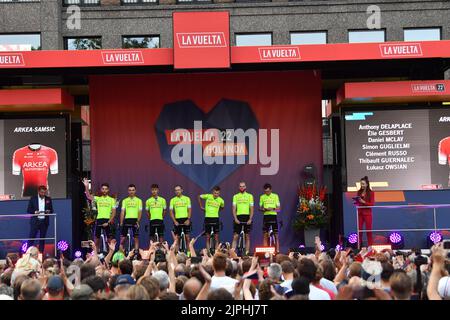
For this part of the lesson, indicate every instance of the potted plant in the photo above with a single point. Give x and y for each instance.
(311, 214)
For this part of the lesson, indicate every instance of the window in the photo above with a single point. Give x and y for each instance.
(139, 1)
(316, 37)
(422, 34)
(254, 39)
(4, 1)
(366, 36)
(82, 2)
(140, 42)
(87, 43)
(21, 42)
(194, 1)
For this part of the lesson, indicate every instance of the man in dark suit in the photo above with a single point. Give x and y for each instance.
(37, 205)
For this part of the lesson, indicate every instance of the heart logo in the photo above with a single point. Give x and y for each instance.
(226, 114)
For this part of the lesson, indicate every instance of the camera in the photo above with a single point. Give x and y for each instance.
(160, 256)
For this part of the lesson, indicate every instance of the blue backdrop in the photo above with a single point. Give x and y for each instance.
(19, 228)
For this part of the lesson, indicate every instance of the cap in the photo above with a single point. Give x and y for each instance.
(55, 283)
(83, 292)
(444, 287)
(125, 279)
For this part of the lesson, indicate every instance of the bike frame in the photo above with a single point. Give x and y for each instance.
(156, 234)
(272, 241)
(212, 239)
(103, 239)
(182, 240)
(241, 243)
(130, 236)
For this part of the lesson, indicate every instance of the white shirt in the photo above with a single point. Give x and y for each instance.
(327, 284)
(223, 282)
(287, 284)
(41, 202)
(317, 294)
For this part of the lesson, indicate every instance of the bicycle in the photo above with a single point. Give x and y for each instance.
(129, 240)
(183, 245)
(103, 245)
(212, 238)
(241, 249)
(271, 234)
(156, 234)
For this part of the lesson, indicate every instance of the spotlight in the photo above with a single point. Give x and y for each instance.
(339, 247)
(77, 254)
(62, 245)
(24, 247)
(352, 240)
(433, 238)
(322, 247)
(302, 246)
(396, 240)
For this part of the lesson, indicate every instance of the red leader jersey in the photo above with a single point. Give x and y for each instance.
(34, 165)
(444, 151)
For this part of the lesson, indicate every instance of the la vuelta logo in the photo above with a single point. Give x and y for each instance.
(201, 40)
(208, 147)
(122, 57)
(11, 60)
(279, 53)
(401, 50)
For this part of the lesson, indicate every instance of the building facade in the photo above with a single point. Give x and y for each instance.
(281, 21)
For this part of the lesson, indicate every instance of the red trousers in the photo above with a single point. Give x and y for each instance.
(365, 219)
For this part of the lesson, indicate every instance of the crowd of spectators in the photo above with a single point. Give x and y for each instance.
(161, 273)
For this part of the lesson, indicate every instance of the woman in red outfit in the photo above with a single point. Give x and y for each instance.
(366, 198)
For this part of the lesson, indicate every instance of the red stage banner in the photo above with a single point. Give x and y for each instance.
(35, 99)
(201, 40)
(198, 56)
(341, 52)
(86, 58)
(394, 91)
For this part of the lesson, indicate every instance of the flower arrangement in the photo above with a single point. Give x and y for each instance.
(311, 212)
(89, 216)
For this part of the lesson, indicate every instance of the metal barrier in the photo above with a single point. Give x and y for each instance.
(427, 206)
(30, 216)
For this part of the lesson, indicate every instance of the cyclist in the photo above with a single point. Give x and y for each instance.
(213, 204)
(131, 215)
(106, 211)
(242, 212)
(180, 212)
(156, 208)
(269, 203)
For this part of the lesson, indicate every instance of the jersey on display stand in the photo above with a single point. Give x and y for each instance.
(34, 161)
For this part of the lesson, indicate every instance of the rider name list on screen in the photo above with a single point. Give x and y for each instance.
(399, 149)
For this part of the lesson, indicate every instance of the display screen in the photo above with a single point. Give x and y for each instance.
(398, 149)
(33, 153)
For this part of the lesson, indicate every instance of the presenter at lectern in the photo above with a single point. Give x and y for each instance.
(38, 206)
(365, 198)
